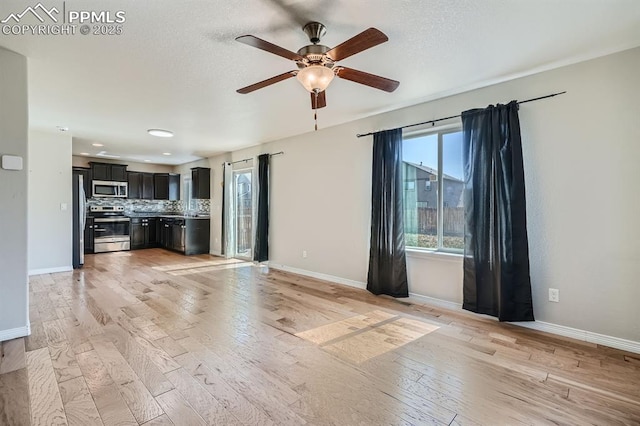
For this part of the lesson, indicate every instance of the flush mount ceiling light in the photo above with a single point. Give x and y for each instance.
(160, 133)
(97, 144)
(105, 155)
(147, 161)
(166, 153)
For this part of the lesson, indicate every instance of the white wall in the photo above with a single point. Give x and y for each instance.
(50, 232)
(14, 313)
(79, 161)
(581, 153)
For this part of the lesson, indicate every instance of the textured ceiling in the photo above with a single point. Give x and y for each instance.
(176, 64)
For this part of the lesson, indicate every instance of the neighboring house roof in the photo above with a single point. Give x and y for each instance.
(432, 171)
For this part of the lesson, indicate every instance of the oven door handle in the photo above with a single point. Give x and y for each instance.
(111, 219)
(99, 230)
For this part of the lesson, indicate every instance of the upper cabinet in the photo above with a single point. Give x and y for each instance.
(109, 172)
(166, 186)
(140, 185)
(201, 183)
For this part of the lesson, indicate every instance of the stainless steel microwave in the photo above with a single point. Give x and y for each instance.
(108, 189)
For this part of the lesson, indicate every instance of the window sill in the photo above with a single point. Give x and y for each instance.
(434, 255)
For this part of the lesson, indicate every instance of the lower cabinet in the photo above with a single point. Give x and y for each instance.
(184, 235)
(178, 235)
(143, 233)
(89, 236)
(197, 236)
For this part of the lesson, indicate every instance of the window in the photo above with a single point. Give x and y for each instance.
(186, 193)
(409, 185)
(434, 218)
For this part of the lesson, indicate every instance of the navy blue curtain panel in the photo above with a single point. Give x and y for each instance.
(261, 252)
(387, 262)
(496, 254)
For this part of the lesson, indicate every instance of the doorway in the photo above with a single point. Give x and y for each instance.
(243, 213)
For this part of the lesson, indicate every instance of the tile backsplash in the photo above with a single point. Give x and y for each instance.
(154, 206)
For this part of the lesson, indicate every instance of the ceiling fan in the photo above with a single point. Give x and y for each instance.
(317, 64)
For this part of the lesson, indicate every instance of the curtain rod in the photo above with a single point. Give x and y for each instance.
(247, 159)
(459, 115)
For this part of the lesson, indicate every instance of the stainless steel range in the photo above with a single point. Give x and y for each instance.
(111, 229)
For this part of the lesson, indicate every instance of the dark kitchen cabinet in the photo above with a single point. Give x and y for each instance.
(119, 172)
(166, 186)
(185, 235)
(140, 185)
(89, 245)
(86, 179)
(134, 180)
(197, 236)
(164, 232)
(143, 233)
(147, 186)
(201, 183)
(137, 233)
(178, 235)
(109, 172)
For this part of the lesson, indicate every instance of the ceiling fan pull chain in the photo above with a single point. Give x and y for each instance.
(315, 111)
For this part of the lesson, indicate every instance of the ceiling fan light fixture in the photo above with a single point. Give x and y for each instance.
(315, 78)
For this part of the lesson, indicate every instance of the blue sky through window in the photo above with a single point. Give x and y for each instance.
(425, 149)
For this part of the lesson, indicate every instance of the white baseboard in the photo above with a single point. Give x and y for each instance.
(50, 270)
(584, 335)
(561, 330)
(318, 275)
(413, 297)
(14, 333)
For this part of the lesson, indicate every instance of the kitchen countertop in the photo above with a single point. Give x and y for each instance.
(168, 215)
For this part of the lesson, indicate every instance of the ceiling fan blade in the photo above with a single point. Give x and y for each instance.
(322, 100)
(267, 82)
(367, 79)
(363, 41)
(269, 47)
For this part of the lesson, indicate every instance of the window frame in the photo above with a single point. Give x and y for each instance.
(440, 131)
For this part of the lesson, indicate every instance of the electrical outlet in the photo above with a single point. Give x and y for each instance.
(554, 295)
(304, 254)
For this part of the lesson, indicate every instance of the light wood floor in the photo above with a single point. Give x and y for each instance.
(151, 337)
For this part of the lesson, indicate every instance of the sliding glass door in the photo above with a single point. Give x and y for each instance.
(243, 213)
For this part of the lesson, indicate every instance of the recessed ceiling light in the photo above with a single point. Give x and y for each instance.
(160, 133)
(166, 153)
(84, 153)
(147, 161)
(62, 128)
(97, 144)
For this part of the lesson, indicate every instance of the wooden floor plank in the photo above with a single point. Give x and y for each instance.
(109, 402)
(14, 398)
(137, 396)
(179, 410)
(78, 403)
(64, 361)
(46, 404)
(12, 355)
(210, 409)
